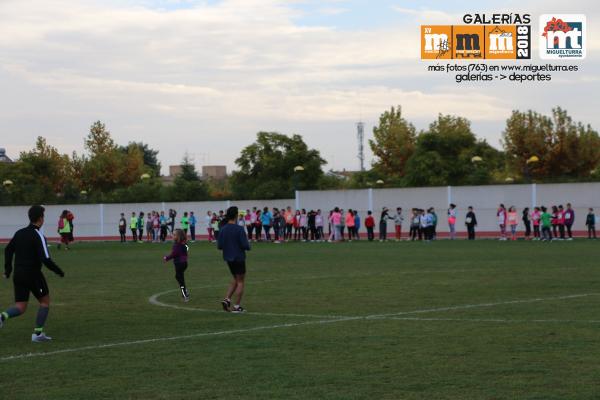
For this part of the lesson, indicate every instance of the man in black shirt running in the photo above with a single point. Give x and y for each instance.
(29, 248)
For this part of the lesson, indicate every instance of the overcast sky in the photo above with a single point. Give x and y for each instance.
(205, 76)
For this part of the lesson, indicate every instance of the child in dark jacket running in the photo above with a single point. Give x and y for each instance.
(179, 255)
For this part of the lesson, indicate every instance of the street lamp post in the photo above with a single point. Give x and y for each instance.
(530, 161)
(7, 184)
(297, 170)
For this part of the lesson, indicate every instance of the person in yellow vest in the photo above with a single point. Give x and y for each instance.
(185, 222)
(133, 226)
(64, 229)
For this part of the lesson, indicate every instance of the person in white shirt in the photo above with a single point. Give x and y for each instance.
(208, 226)
(423, 221)
(319, 222)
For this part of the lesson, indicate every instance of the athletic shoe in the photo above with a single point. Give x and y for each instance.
(185, 295)
(226, 305)
(40, 338)
(238, 310)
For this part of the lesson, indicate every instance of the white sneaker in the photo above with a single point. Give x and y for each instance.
(40, 338)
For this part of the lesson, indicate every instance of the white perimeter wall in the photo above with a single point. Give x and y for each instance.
(484, 199)
(94, 220)
(101, 219)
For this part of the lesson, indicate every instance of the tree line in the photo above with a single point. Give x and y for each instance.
(536, 148)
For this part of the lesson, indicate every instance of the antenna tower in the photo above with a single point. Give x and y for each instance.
(360, 134)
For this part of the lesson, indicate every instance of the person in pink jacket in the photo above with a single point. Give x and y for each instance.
(535, 218)
(452, 221)
(350, 224)
(336, 222)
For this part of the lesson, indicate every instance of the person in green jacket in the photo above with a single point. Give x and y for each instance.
(64, 229)
(185, 222)
(546, 219)
(133, 226)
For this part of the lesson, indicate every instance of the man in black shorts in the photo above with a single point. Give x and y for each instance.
(233, 242)
(29, 248)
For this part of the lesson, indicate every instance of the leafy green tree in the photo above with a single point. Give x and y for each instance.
(41, 174)
(443, 155)
(565, 149)
(139, 192)
(393, 144)
(99, 140)
(150, 156)
(187, 186)
(188, 170)
(365, 179)
(219, 189)
(493, 164)
(106, 168)
(266, 167)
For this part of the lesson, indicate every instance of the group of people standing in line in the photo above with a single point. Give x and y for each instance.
(285, 224)
(555, 223)
(157, 225)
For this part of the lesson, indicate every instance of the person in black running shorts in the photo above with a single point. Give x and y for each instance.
(29, 249)
(233, 242)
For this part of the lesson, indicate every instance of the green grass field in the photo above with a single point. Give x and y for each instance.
(444, 320)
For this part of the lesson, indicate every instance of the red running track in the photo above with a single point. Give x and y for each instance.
(390, 236)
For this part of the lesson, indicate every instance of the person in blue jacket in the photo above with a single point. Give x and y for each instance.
(192, 221)
(266, 219)
(233, 241)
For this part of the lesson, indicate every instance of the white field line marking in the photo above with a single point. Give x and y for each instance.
(170, 338)
(585, 321)
(154, 298)
(154, 301)
(267, 327)
(468, 306)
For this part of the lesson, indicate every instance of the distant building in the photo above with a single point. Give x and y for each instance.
(174, 170)
(3, 157)
(217, 172)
